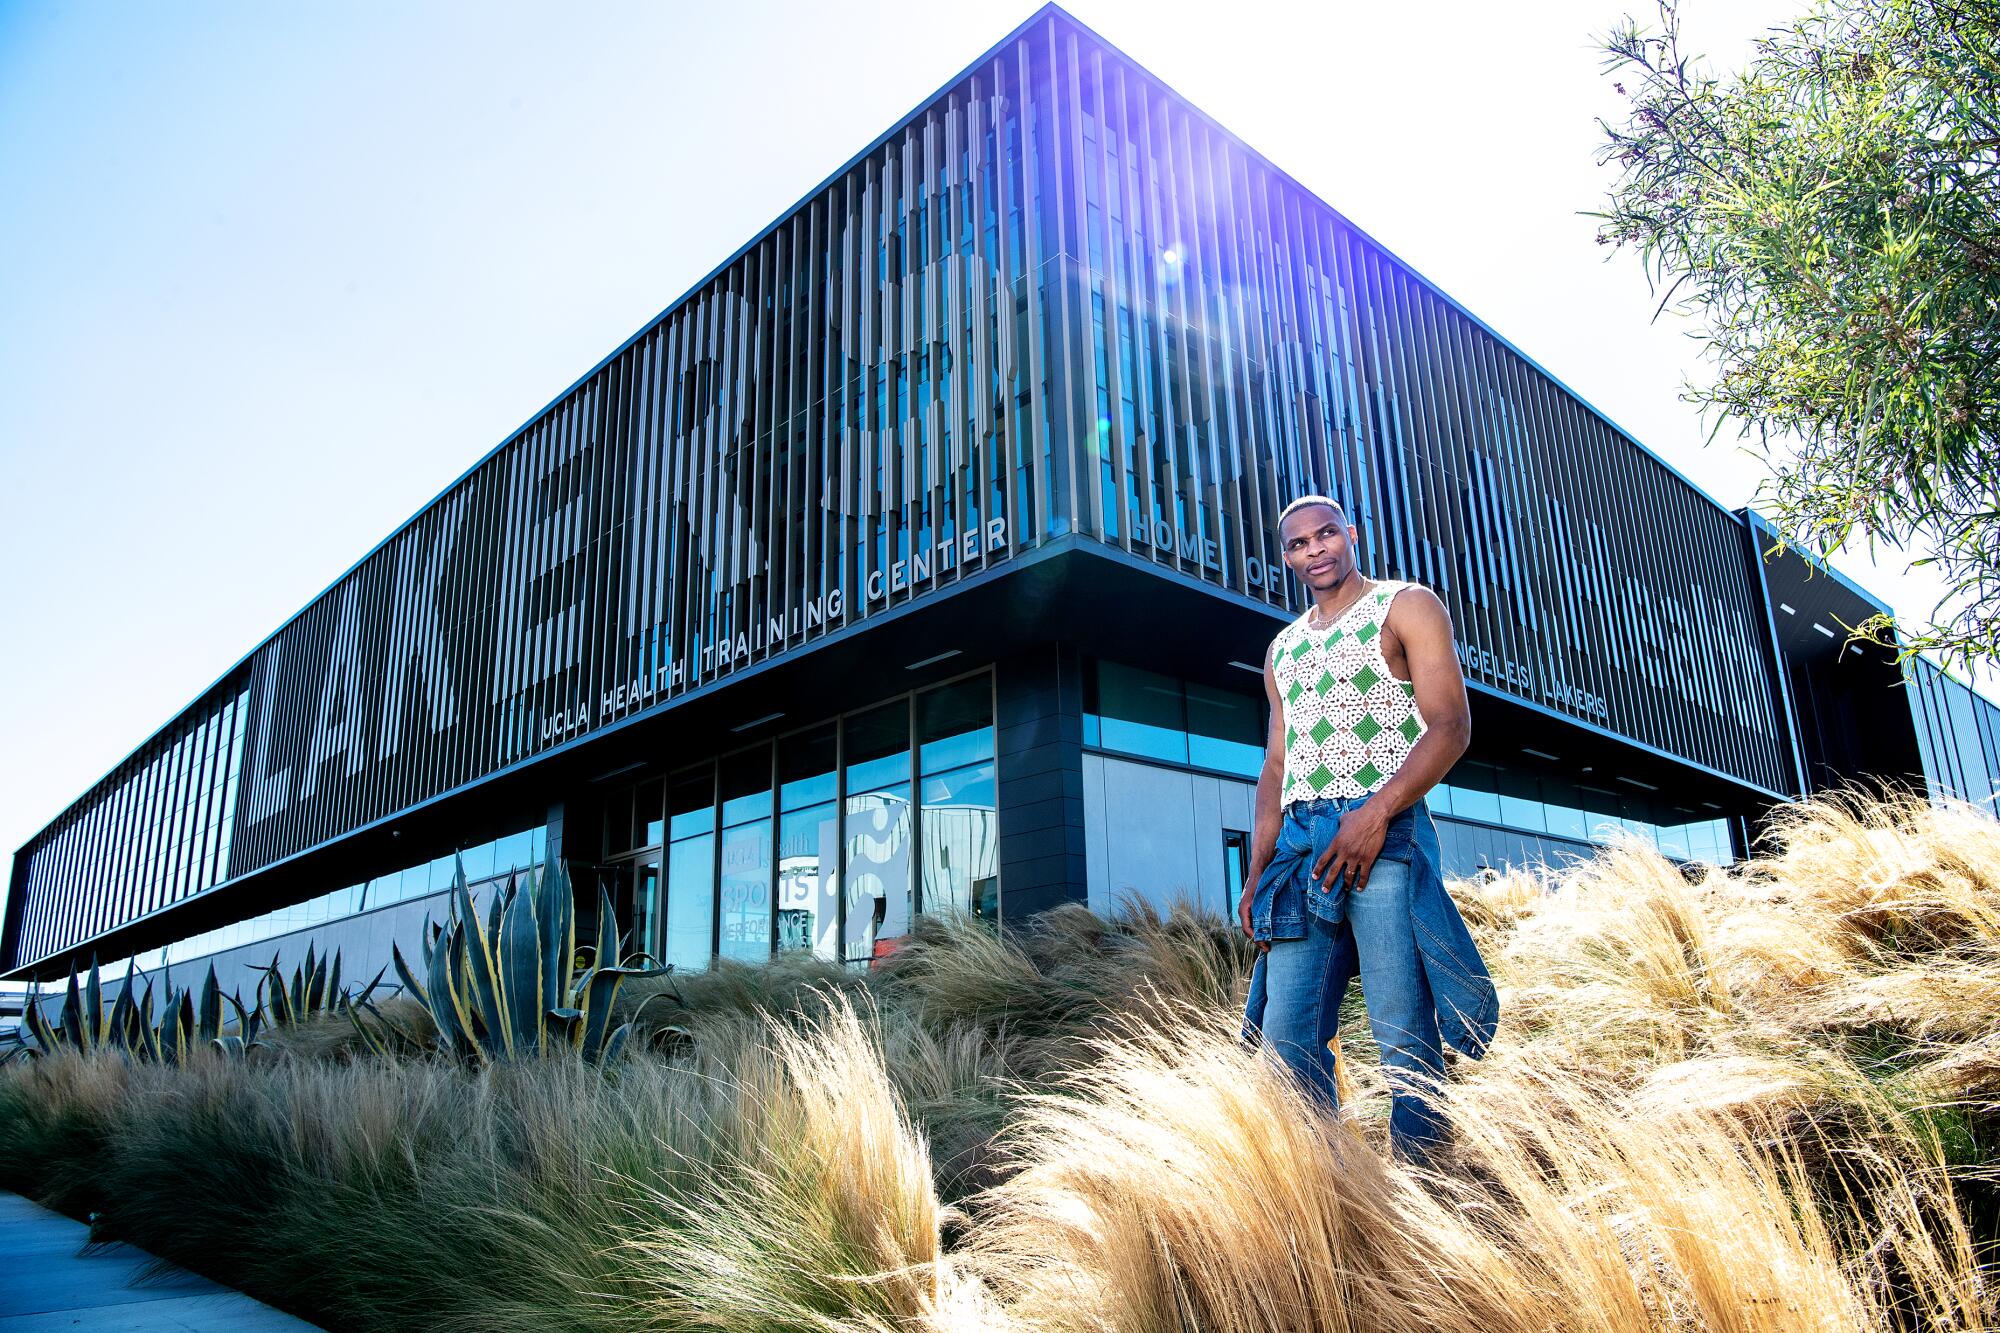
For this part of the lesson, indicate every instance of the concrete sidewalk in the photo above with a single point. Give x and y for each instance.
(48, 1283)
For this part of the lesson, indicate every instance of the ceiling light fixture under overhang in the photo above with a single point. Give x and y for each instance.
(758, 721)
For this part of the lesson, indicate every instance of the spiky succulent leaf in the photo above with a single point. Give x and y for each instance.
(556, 906)
(482, 973)
(565, 1028)
(405, 1038)
(520, 945)
(93, 1007)
(447, 1013)
(601, 992)
(370, 1037)
(415, 989)
(282, 1008)
(124, 1012)
(211, 1007)
(72, 1016)
(305, 984)
(369, 990)
(177, 1041)
(248, 1021)
(480, 1038)
(614, 1046)
(44, 1032)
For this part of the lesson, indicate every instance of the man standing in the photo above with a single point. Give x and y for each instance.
(1368, 713)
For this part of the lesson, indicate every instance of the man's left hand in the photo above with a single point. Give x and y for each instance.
(1353, 849)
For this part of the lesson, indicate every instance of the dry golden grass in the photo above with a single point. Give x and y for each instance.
(1180, 1183)
(1759, 1099)
(1762, 1098)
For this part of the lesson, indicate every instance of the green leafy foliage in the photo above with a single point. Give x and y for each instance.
(1830, 217)
(512, 987)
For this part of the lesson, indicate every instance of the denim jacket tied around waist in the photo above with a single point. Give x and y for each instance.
(1468, 1006)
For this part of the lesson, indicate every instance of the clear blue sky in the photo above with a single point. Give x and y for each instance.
(272, 275)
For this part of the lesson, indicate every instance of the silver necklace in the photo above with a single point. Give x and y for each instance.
(1335, 619)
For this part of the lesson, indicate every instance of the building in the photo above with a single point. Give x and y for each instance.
(922, 555)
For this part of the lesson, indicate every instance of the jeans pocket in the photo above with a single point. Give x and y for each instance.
(1294, 836)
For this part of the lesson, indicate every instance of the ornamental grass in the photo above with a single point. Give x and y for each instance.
(1757, 1098)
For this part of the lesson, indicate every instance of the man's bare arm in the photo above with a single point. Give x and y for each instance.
(1423, 627)
(1266, 815)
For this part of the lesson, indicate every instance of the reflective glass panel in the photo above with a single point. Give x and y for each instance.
(876, 830)
(479, 861)
(1520, 813)
(746, 855)
(955, 724)
(1566, 821)
(1139, 712)
(646, 905)
(961, 870)
(649, 818)
(1470, 803)
(1224, 730)
(809, 842)
(691, 870)
(961, 857)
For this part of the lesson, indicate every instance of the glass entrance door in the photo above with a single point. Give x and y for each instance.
(648, 906)
(636, 901)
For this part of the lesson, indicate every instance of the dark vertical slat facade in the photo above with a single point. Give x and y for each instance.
(1055, 304)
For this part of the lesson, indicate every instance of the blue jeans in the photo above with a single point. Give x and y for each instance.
(1297, 988)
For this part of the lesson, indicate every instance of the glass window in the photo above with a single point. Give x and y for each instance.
(876, 830)
(1439, 799)
(1518, 812)
(955, 724)
(1566, 821)
(961, 870)
(1224, 730)
(809, 842)
(511, 852)
(479, 861)
(618, 823)
(1139, 712)
(1235, 864)
(691, 869)
(746, 855)
(1600, 814)
(1471, 803)
(646, 906)
(649, 819)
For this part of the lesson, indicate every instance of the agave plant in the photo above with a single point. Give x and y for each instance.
(513, 987)
(187, 1022)
(312, 989)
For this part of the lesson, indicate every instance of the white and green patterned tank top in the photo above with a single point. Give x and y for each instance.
(1349, 723)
